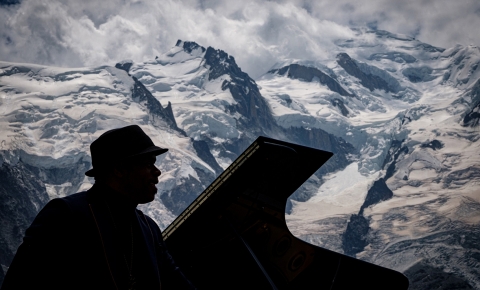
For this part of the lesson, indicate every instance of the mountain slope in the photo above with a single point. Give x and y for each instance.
(400, 115)
(49, 117)
(411, 196)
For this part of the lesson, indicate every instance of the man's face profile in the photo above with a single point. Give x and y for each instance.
(139, 179)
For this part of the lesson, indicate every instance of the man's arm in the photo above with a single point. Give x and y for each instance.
(38, 262)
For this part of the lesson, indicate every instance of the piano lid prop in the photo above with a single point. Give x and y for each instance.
(234, 235)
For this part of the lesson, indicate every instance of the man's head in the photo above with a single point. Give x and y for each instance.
(136, 179)
(124, 159)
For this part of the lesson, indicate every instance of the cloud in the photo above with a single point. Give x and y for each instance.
(442, 23)
(257, 33)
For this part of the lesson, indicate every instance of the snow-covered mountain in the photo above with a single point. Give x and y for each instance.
(410, 198)
(401, 116)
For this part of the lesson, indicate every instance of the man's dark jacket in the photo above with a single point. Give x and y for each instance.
(73, 244)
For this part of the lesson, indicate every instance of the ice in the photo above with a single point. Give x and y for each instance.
(122, 77)
(49, 117)
(342, 189)
(341, 193)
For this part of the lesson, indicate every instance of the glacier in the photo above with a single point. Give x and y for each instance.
(401, 116)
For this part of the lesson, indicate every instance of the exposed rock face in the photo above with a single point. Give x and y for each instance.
(460, 177)
(355, 237)
(169, 115)
(393, 154)
(318, 138)
(412, 230)
(25, 188)
(395, 56)
(203, 151)
(29, 180)
(387, 34)
(451, 248)
(233, 148)
(377, 193)
(425, 277)
(183, 194)
(22, 195)
(419, 74)
(250, 103)
(434, 144)
(257, 118)
(57, 178)
(142, 95)
(369, 81)
(309, 74)
(189, 46)
(472, 118)
(125, 65)
(221, 63)
(341, 106)
(14, 70)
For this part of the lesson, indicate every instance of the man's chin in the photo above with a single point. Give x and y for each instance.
(148, 198)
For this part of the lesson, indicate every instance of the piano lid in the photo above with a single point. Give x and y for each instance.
(234, 235)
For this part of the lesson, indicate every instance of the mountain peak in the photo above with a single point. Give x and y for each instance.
(189, 46)
(309, 74)
(124, 65)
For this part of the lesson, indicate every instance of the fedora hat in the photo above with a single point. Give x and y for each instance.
(120, 145)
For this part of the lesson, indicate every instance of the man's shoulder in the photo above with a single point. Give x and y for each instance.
(66, 202)
(76, 204)
(79, 199)
(76, 197)
(57, 213)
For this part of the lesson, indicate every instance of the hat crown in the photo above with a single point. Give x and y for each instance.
(119, 145)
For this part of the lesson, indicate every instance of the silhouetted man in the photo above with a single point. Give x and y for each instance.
(97, 239)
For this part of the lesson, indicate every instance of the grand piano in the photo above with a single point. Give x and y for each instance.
(234, 235)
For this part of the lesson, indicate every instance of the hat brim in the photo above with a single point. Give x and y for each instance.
(155, 150)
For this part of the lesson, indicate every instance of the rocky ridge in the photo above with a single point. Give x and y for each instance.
(47, 128)
(400, 115)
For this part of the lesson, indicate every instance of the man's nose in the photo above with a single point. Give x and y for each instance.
(156, 171)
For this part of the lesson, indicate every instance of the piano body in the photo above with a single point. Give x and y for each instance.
(234, 235)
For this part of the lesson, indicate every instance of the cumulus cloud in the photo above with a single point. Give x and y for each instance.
(257, 33)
